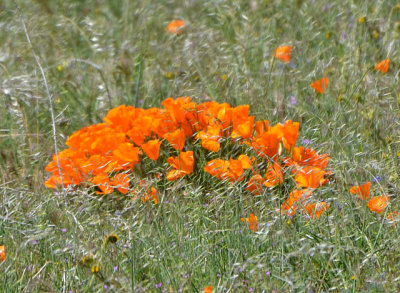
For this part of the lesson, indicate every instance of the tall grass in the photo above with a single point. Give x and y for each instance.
(100, 55)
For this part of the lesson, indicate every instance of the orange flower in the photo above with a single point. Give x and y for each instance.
(210, 139)
(127, 152)
(274, 175)
(290, 133)
(183, 165)
(2, 253)
(252, 221)
(378, 203)
(208, 289)
(383, 66)
(151, 194)
(362, 191)
(176, 26)
(320, 85)
(310, 177)
(296, 197)
(217, 168)
(152, 149)
(102, 181)
(283, 53)
(307, 157)
(121, 182)
(261, 127)
(176, 139)
(316, 209)
(255, 184)
(244, 130)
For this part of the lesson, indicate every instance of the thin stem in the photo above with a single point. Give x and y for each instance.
(53, 123)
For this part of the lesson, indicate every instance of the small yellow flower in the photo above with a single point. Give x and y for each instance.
(95, 269)
(398, 154)
(289, 222)
(87, 260)
(328, 35)
(375, 34)
(61, 67)
(169, 75)
(362, 19)
(224, 77)
(353, 277)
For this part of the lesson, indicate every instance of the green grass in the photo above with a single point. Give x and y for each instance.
(194, 237)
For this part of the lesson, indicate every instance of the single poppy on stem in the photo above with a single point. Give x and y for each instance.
(383, 66)
(176, 26)
(283, 53)
(252, 221)
(2, 253)
(378, 203)
(362, 191)
(320, 85)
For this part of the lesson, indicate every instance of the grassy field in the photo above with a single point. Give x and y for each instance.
(97, 55)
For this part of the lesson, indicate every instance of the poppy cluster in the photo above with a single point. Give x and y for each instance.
(106, 155)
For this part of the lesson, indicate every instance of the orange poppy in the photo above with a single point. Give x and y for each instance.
(176, 26)
(127, 152)
(121, 182)
(152, 148)
(310, 177)
(210, 139)
(208, 289)
(378, 203)
(252, 221)
(316, 209)
(151, 194)
(182, 165)
(261, 127)
(296, 197)
(274, 175)
(176, 139)
(383, 66)
(245, 161)
(290, 133)
(307, 157)
(255, 184)
(244, 130)
(268, 143)
(320, 85)
(283, 53)
(2, 253)
(217, 168)
(362, 191)
(102, 181)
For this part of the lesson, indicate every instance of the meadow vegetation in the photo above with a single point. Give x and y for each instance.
(192, 231)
